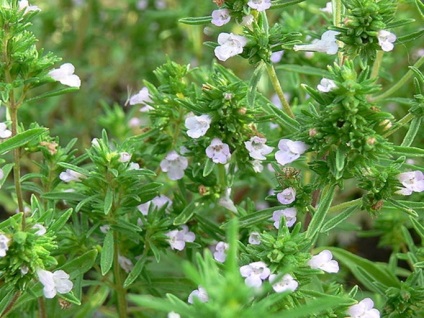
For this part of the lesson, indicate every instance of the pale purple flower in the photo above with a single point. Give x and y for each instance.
(327, 44)
(413, 181)
(218, 151)
(285, 283)
(157, 203)
(289, 215)
(200, 294)
(133, 166)
(24, 5)
(326, 85)
(257, 148)
(124, 157)
(4, 132)
(229, 45)
(255, 273)
(57, 282)
(65, 75)
(324, 261)
(174, 165)
(328, 8)
(260, 5)
(4, 245)
(247, 20)
(289, 151)
(227, 203)
(386, 40)
(257, 166)
(254, 238)
(70, 175)
(141, 98)
(221, 17)
(178, 238)
(125, 263)
(363, 309)
(197, 125)
(287, 196)
(41, 230)
(276, 56)
(220, 253)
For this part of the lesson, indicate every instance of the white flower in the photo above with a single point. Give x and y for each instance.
(324, 262)
(288, 214)
(141, 98)
(247, 20)
(24, 5)
(221, 17)
(65, 75)
(257, 166)
(276, 56)
(328, 7)
(200, 294)
(289, 151)
(254, 238)
(174, 165)
(104, 228)
(326, 85)
(41, 230)
(4, 132)
(173, 315)
(157, 203)
(255, 273)
(327, 44)
(227, 203)
(125, 263)
(124, 157)
(220, 252)
(57, 282)
(178, 238)
(287, 196)
(257, 148)
(385, 40)
(364, 309)
(229, 45)
(70, 175)
(287, 282)
(260, 5)
(197, 125)
(413, 181)
(4, 246)
(24, 269)
(1, 174)
(218, 151)
(133, 166)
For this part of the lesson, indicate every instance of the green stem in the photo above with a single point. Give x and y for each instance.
(277, 86)
(377, 64)
(222, 177)
(119, 287)
(344, 205)
(41, 308)
(400, 83)
(401, 122)
(11, 304)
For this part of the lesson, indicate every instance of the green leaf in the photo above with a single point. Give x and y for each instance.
(61, 221)
(408, 151)
(256, 217)
(304, 69)
(208, 168)
(418, 226)
(74, 168)
(410, 37)
(21, 139)
(80, 265)
(186, 214)
(66, 196)
(196, 20)
(53, 93)
(284, 3)
(398, 23)
(108, 201)
(403, 207)
(378, 272)
(281, 117)
(135, 272)
(333, 222)
(414, 127)
(70, 298)
(257, 74)
(6, 300)
(6, 170)
(420, 6)
(318, 218)
(106, 257)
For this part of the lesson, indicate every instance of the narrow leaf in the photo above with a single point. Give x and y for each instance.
(333, 222)
(320, 213)
(106, 257)
(414, 127)
(21, 139)
(408, 151)
(186, 214)
(108, 201)
(196, 20)
(135, 272)
(257, 74)
(304, 69)
(61, 221)
(208, 168)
